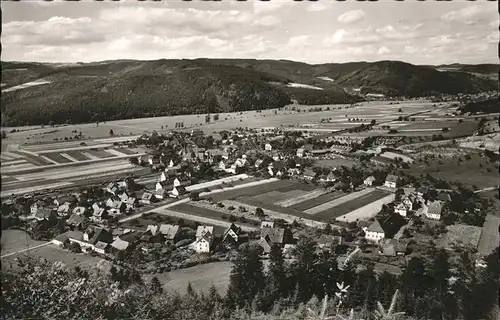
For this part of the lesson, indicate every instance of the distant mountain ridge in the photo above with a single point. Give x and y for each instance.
(106, 90)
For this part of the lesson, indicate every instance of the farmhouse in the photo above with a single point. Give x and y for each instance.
(268, 147)
(101, 247)
(75, 220)
(152, 235)
(422, 191)
(44, 214)
(369, 181)
(393, 247)
(204, 239)
(325, 242)
(401, 209)
(434, 210)
(178, 191)
(170, 232)
(64, 209)
(146, 198)
(233, 237)
(309, 174)
(375, 232)
(279, 236)
(391, 181)
(443, 197)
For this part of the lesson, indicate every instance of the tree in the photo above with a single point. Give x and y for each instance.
(4, 134)
(156, 286)
(111, 132)
(302, 269)
(399, 110)
(246, 277)
(259, 212)
(373, 122)
(194, 196)
(275, 279)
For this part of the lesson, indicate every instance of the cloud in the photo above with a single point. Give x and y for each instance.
(410, 50)
(298, 41)
(317, 6)
(404, 33)
(352, 36)
(383, 50)
(462, 14)
(351, 16)
(267, 21)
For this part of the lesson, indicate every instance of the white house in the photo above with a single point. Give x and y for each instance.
(401, 209)
(300, 152)
(434, 210)
(268, 147)
(391, 181)
(171, 164)
(374, 233)
(204, 239)
(369, 181)
(178, 191)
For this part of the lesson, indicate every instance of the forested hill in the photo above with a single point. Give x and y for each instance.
(121, 89)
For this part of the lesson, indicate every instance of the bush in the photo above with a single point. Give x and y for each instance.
(220, 205)
(231, 208)
(232, 218)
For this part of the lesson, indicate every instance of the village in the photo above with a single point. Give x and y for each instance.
(209, 194)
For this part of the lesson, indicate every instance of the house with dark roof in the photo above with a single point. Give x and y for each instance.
(65, 199)
(279, 236)
(152, 235)
(94, 235)
(233, 236)
(178, 191)
(375, 232)
(422, 191)
(326, 241)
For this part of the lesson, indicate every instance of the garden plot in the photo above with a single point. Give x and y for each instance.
(304, 197)
(336, 202)
(460, 234)
(101, 154)
(252, 190)
(78, 155)
(317, 201)
(56, 157)
(366, 209)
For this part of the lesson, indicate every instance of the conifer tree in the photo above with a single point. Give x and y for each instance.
(155, 286)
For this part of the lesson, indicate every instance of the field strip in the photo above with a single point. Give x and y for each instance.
(90, 156)
(366, 212)
(336, 202)
(73, 148)
(489, 236)
(9, 163)
(36, 188)
(308, 196)
(6, 158)
(201, 219)
(16, 167)
(103, 174)
(24, 250)
(13, 155)
(51, 172)
(118, 139)
(67, 156)
(217, 182)
(89, 171)
(28, 152)
(116, 152)
(279, 215)
(49, 160)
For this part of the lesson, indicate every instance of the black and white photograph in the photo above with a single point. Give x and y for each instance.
(250, 160)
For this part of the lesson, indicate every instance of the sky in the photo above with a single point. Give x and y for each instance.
(314, 32)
